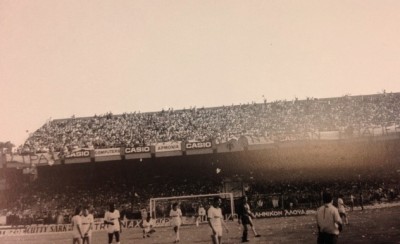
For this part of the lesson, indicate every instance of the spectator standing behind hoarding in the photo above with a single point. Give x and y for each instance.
(112, 220)
(275, 201)
(329, 222)
(361, 200)
(76, 223)
(60, 218)
(143, 213)
(245, 218)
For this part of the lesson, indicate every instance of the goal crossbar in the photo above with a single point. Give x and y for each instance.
(153, 200)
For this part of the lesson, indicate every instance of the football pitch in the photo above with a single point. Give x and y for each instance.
(368, 226)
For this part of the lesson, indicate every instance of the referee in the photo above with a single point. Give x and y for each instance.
(328, 221)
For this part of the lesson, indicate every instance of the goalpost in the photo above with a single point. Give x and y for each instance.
(163, 202)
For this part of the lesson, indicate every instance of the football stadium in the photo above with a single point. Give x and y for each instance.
(199, 122)
(282, 155)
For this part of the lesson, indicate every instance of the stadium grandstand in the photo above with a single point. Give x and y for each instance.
(279, 120)
(281, 154)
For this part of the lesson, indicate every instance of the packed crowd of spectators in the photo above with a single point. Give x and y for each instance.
(273, 179)
(43, 204)
(304, 191)
(47, 206)
(278, 120)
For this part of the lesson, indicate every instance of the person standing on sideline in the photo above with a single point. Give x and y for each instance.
(245, 217)
(112, 221)
(216, 220)
(351, 202)
(76, 223)
(329, 222)
(201, 213)
(176, 220)
(361, 201)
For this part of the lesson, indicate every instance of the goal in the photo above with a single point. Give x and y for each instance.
(160, 206)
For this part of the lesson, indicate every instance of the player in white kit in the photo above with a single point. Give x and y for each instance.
(87, 225)
(76, 223)
(111, 219)
(216, 220)
(342, 210)
(176, 219)
(147, 226)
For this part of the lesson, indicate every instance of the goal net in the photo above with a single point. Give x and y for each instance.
(194, 207)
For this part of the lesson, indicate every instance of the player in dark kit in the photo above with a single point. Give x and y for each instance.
(245, 217)
(361, 200)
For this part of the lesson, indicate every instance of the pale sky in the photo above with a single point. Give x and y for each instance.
(65, 57)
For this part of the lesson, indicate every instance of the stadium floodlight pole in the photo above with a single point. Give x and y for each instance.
(153, 200)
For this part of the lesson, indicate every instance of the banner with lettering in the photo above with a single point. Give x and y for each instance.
(134, 150)
(107, 152)
(79, 153)
(198, 145)
(60, 228)
(33, 159)
(168, 146)
(284, 213)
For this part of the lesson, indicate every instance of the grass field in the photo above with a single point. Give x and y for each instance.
(368, 226)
